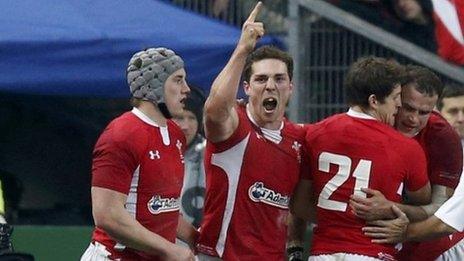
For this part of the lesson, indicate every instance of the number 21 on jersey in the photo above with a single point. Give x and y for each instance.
(361, 175)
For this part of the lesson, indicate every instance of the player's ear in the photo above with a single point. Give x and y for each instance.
(372, 101)
(246, 87)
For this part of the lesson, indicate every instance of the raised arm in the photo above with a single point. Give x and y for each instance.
(111, 216)
(221, 118)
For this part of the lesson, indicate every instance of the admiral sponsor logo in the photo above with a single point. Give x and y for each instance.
(259, 193)
(158, 205)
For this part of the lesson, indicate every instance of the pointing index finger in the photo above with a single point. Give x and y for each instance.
(254, 13)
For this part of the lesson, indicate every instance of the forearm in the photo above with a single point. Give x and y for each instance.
(111, 216)
(296, 231)
(124, 229)
(414, 213)
(302, 204)
(187, 232)
(418, 213)
(428, 229)
(296, 238)
(222, 97)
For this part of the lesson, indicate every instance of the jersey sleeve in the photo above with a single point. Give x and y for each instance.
(240, 132)
(416, 167)
(444, 157)
(114, 162)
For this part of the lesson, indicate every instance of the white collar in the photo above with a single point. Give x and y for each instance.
(272, 135)
(163, 130)
(361, 115)
(143, 117)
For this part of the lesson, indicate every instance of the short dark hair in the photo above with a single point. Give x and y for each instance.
(267, 52)
(372, 75)
(135, 102)
(195, 103)
(450, 90)
(424, 80)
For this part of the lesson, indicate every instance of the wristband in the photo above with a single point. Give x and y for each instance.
(295, 253)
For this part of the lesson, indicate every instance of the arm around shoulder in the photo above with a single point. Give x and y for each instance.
(433, 227)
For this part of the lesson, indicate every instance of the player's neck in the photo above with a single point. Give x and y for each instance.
(152, 112)
(371, 113)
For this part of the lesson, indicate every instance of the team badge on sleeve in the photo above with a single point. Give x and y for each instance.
(259, 193)
(158, 205)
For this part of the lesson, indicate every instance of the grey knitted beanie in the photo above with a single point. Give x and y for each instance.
(148, 70)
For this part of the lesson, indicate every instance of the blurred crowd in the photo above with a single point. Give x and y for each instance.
(432, 25)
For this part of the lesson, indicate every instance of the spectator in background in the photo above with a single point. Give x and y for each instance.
(193, 190)
(451, 106)
(409, 19)
(376, 12)
(138, 169)
(416, 22)
(273, 14)
(449, 20)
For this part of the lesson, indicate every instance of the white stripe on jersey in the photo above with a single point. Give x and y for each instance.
(131, 201)
(231, 162)
(400, 189)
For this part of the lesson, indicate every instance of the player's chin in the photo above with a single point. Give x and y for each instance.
(177, 112)
(270, 116)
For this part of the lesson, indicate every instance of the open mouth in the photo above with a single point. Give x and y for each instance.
(182, 101)
(270, 104)
(409, 127)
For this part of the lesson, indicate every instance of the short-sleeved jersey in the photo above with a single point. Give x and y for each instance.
(249, 181)
(443, 151)
(136, 157)
(348, 152)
